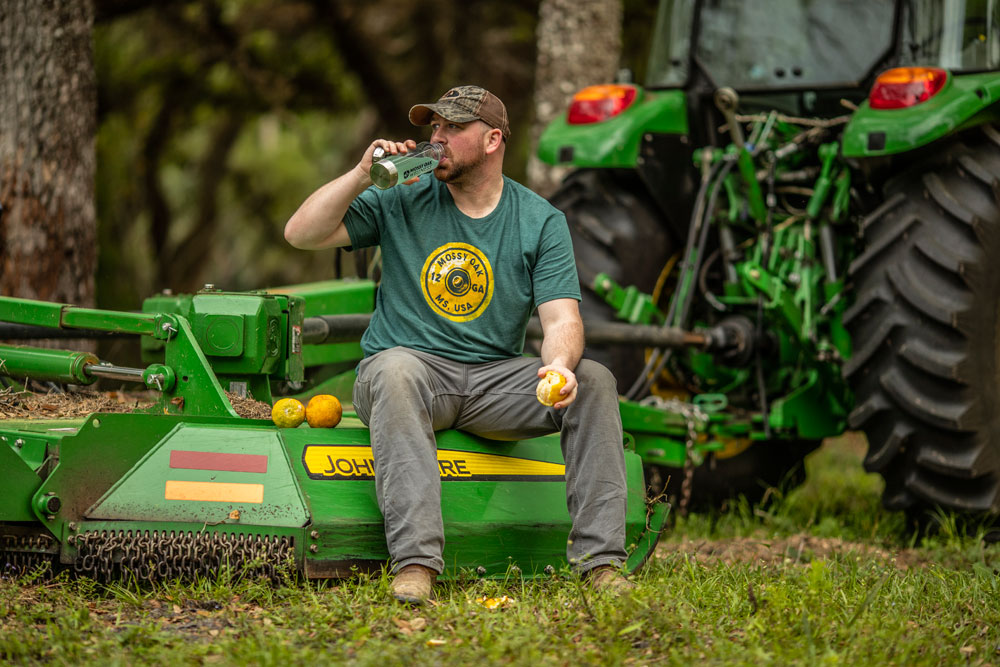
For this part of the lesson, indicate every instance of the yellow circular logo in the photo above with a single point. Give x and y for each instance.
(457, 282)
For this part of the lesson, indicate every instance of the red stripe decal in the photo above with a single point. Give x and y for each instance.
(218, 461)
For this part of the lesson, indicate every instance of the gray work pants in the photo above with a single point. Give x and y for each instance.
(404, 396)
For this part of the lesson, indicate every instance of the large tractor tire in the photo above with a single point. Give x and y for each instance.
(925, 369)
(618, 230)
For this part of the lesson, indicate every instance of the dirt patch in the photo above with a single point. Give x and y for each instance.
(249, 408)
(66, 405)
(75, 404)
(795, 549)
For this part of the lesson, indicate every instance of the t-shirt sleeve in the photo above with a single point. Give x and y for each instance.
(364, 217)
(554, 274)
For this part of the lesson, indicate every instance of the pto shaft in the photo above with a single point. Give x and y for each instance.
(341, 328)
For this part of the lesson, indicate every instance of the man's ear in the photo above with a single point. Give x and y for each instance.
(492, 140)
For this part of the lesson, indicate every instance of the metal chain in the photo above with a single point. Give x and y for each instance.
(154, 555)
(23, 554)
(693, 418)
(688, 482)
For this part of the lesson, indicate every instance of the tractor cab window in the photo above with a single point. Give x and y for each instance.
(670, 51)
(953, 34)
(768, 44)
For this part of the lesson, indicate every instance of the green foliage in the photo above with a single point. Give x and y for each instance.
(867, 595)
(218, 118)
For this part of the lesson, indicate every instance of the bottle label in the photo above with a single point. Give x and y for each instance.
(421, 167)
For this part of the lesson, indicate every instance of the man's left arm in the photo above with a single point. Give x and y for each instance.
(562, 343)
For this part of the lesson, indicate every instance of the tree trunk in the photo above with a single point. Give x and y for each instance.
(47, 153)
(579, 44)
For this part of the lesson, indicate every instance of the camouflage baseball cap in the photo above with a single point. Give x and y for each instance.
(464, 104)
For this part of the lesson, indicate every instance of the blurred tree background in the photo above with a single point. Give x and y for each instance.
(217, 118)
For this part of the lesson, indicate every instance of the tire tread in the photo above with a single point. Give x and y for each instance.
(924, 372)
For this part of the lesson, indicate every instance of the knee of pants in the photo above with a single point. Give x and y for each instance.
(594, 377)
(395, 369)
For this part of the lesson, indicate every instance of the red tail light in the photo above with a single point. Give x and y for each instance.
(906, 86)
(597, 103)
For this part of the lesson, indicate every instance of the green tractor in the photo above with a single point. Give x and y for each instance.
(820, 182)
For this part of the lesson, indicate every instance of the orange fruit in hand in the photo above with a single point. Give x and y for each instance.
(324, 411)
(288, 413)
(548, 388)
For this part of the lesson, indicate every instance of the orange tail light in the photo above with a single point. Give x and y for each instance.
(903, 87)
(596, 103)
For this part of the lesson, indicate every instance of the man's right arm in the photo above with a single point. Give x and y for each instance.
(319, 222)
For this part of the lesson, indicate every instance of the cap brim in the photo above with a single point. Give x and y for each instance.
(421, 114)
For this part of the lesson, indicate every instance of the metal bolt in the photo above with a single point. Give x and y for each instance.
(481, 571)
(314, 534)
(794, 278)
(754, 273)
(19, 443)
(549, 569)
(209, 286)
(72, 525)
(314, 548)
(71, 539)
(50, 517)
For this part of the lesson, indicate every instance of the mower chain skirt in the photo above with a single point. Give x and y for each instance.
(616, 229)
(925, 325)
(27, 554)
(154, 555)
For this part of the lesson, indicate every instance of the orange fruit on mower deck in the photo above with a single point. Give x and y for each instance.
(324, 411)
(288, 413)
(548, 388)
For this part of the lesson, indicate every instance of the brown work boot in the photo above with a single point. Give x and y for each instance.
(609, 579)
(413, 584)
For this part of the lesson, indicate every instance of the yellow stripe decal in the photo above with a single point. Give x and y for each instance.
(219, 492)
(356, 462)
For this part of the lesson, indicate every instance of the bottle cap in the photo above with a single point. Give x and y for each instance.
(384, 174)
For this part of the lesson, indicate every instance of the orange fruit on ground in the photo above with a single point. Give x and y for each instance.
(288, 413)
(548, 388)
(324, 411)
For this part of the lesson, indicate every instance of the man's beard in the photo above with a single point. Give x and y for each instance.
(457, 170)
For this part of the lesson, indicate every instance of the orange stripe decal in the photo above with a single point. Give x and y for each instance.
(219, 492)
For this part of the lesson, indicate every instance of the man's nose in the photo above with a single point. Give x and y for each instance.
(437, 137)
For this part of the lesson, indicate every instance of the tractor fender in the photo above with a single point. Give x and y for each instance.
(965, 101)
(615, 142)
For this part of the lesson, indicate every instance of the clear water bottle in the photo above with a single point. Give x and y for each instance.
(389, 170)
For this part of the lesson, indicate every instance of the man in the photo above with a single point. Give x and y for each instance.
(466, 256)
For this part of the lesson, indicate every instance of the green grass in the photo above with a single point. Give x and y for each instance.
(819, 575)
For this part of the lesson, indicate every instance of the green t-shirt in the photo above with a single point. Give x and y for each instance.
(459, 287)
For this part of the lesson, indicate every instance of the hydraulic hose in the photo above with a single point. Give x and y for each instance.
(698, 228)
